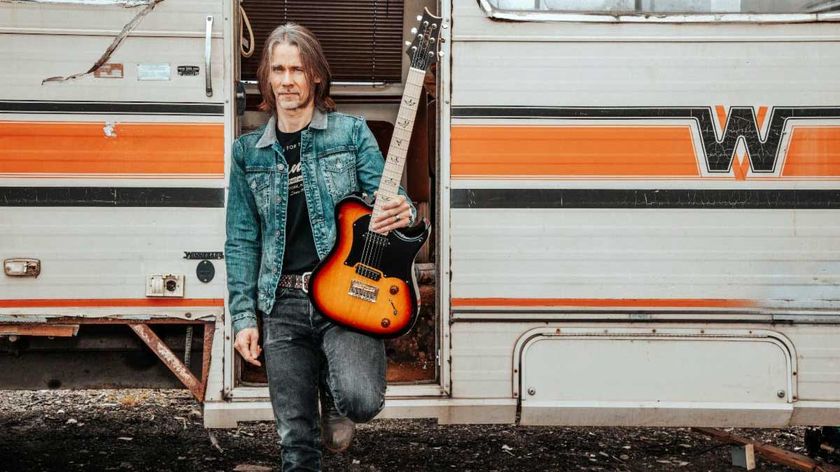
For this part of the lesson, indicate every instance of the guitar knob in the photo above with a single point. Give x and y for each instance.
(385, 322)
(394, 289)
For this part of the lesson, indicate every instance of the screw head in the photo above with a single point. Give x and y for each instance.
(532, 391)
(780, 394)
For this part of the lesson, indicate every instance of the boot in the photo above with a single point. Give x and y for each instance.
(336, 431)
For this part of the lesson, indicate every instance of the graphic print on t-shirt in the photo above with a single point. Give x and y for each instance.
(295, 177)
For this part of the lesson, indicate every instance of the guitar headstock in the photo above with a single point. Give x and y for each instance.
(423, 49)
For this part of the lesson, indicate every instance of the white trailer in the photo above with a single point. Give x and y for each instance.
(636, 204)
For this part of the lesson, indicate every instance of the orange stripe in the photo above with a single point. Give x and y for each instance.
(110, 302)
(720, 111)
(813, 151)
(138, 148)
(606, 302)
(762, 114)
(573, 151)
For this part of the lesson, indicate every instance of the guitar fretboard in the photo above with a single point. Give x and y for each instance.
(397, 152)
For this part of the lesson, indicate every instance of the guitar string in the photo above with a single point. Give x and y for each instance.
(375, 244)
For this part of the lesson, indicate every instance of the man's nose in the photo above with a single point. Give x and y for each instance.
(286, 77)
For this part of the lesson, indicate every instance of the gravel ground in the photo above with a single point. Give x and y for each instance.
(162, 430)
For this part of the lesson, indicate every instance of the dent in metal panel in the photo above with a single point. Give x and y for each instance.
(114, 44)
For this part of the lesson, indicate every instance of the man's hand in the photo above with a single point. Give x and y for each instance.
(247, 343)
(396, 213)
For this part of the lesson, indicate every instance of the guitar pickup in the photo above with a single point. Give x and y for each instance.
(363, 291)
(368, 272)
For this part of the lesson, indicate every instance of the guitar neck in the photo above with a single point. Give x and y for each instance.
(398, 150)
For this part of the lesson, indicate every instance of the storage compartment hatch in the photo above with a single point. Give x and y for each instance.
(650, 377)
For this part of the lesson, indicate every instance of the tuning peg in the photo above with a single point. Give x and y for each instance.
(414, 30)
(445, 26)
(441, 53)
(408, 43)
(419, 17)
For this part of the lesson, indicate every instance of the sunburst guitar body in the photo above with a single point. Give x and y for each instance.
(366, 283)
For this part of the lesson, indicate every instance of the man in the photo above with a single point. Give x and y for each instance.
(285, 180)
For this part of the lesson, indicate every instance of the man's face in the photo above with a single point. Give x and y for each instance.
(288, 80)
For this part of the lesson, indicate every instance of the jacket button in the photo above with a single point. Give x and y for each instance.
(253, 185)
(280, 167)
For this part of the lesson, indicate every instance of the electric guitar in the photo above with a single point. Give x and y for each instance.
(366, 282)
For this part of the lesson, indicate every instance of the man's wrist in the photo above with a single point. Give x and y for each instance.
(243, 322)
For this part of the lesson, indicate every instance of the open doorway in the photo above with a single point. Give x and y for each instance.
(364, 43)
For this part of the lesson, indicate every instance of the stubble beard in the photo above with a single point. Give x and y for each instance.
(295, 105)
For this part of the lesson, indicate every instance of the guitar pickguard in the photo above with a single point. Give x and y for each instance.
(384, 258)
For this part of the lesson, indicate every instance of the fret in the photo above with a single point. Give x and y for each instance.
(400, 139)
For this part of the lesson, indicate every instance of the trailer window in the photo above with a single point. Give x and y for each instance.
(642, 7)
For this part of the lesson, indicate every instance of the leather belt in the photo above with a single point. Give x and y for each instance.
(298, 281)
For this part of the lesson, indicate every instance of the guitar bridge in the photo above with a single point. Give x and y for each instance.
(363, 291)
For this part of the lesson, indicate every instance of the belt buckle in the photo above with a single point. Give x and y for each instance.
(304, 278)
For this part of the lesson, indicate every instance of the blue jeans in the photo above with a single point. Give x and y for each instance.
(303, 349)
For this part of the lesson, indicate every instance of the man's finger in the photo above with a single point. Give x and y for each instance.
(255, 349)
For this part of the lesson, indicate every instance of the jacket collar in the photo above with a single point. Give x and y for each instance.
(269, 136)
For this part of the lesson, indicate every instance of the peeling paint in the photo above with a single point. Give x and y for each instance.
(110, 129)
(114, 44)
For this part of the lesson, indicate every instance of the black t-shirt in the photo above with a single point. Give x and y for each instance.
(300, 255)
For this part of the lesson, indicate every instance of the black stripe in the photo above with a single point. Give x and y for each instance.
(122, 108)
(612, 113)
(649, 198)
(111, 197)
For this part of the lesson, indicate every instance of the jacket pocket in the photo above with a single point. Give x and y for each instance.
(259, 181)
(339, 169)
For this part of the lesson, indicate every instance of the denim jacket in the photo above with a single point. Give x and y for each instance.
(338, 156)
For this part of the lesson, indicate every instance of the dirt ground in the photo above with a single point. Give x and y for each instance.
(161, 430)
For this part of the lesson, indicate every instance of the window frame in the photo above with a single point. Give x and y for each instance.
(499, 14)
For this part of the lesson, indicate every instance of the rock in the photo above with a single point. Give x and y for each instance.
(251, 468)
(124, 438)
(71, 421)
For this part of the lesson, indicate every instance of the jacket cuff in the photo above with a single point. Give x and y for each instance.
(242, 322)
